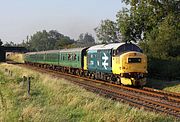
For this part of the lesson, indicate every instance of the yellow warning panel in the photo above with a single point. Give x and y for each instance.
(85, 62)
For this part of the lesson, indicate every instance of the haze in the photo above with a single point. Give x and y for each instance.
(19, 18)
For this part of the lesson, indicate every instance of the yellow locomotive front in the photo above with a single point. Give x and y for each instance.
(130, 67)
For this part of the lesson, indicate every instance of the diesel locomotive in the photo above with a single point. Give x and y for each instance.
(120, 63)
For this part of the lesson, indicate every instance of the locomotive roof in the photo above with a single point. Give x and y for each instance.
(113, 46)
(97, 47)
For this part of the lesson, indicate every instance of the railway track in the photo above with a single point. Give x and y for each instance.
(146, 98)
(171, 94)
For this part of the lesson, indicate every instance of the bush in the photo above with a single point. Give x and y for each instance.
(164, 68)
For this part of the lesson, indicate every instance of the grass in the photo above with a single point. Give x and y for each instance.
(172, 86)
(55, 99)
(17, 57)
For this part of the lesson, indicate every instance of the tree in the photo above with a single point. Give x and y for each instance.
(40, 42)
(107, 31)
(88, 38)
(126, 27)
(85, 40)
(1, 42)
(144, 15)
(63, 42)
(81, 38)
(47, 41)
(163, 41)
(54, 34)
(10, 44)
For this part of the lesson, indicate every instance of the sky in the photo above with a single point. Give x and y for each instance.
(19, 18)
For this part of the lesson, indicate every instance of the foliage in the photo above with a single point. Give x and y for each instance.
(85, 40)
(10, 44)
(107, 32)
(47, 41)
(2, 78)
(172, 86)
(63, 42)
(1, 42)
(167, 69)
(16, 57)
(144, 15)
(163, 41)
(135, 23)
(125, 26)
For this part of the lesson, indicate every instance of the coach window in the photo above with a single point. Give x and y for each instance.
(69, 56)
(44, 56)
(78, 58)
(91, 55)
(66, 56)
(94, 55)
(74, 56)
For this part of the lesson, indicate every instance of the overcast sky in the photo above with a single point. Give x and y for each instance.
(19, 18)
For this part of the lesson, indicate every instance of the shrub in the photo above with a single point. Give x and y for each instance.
(164, 68)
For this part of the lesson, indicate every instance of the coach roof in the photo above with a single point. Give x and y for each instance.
(55, 51)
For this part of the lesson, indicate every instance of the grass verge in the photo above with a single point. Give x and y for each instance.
(17, 57)
(172, 86)
(55, 99)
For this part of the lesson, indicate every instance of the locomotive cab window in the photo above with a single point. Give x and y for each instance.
(114, 52)
(134, 60)
(128, 47)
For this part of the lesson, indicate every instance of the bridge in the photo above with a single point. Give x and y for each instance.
(4, 50)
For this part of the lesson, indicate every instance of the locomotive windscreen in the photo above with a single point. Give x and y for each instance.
(134, 60)
(127, 47)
